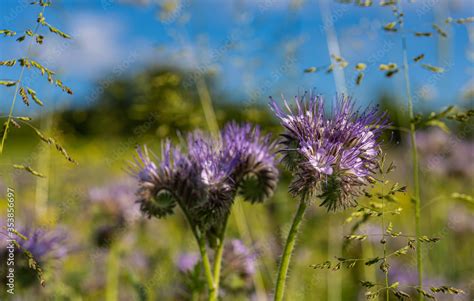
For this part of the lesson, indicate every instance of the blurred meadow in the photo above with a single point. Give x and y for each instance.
(136, 72)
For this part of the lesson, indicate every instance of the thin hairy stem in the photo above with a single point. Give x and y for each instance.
(288, 250)
(17, 86)
(218, 258)
(387, 296)
(207, 268)
(201, 241)
(416, 176)
(113, 272)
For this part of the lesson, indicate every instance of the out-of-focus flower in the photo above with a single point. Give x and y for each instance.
(44, 245)
(239, 266)
(113, 210)
(239, 259)
(445, 154)
(331, 155)
(41, 245)
(114, 200)
(187, 261)
(205, 180)
(461, 219)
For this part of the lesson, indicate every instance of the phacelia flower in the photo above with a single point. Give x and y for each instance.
(205, 178)
(187, 262)
(114, 200)
(45, 245)
(42, 246)
(333, 156)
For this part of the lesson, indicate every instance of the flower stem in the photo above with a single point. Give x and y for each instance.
(113, 268)
(288, 250)
(207, 268)
(218, 258)
(201, 240)
(416, 177)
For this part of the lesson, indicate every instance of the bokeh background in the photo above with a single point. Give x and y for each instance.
(145, 70)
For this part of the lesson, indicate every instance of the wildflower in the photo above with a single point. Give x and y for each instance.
(205, 179)
(332, 155)
(239, 258)
(114, 200)
(37, 249)
(187, 262)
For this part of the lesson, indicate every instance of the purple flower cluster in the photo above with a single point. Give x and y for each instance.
(331, 155)
(445, 154)
(205, 178)
(44, 245)
(238, 258)
(114, 200)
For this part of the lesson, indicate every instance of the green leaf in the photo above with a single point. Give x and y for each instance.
(438, 123)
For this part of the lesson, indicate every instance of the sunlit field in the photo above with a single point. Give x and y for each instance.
(236, 150)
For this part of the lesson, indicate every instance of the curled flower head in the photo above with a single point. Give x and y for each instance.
(158, 182)
(255, 168)
(331, 155)
(205, 178)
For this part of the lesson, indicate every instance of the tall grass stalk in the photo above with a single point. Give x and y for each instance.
(288, 250)
(18, 85)
(416, 176)
(244, 231)
(44, 164)
(334, 283)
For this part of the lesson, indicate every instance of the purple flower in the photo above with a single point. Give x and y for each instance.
(445, 154)
(44, 245)
(205, 179)
(159, 182)
(114, 199)
(239, 258)
(255, 167)
(331, 155)
(187, 261)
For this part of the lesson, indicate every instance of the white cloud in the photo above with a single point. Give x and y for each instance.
(97, 46)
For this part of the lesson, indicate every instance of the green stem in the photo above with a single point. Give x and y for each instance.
(218, 258)
(288, 250)
(113, 262)
(201, 240)
(416, 176)
(207, 268)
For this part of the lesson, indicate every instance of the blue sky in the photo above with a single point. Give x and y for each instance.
(255, 48)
